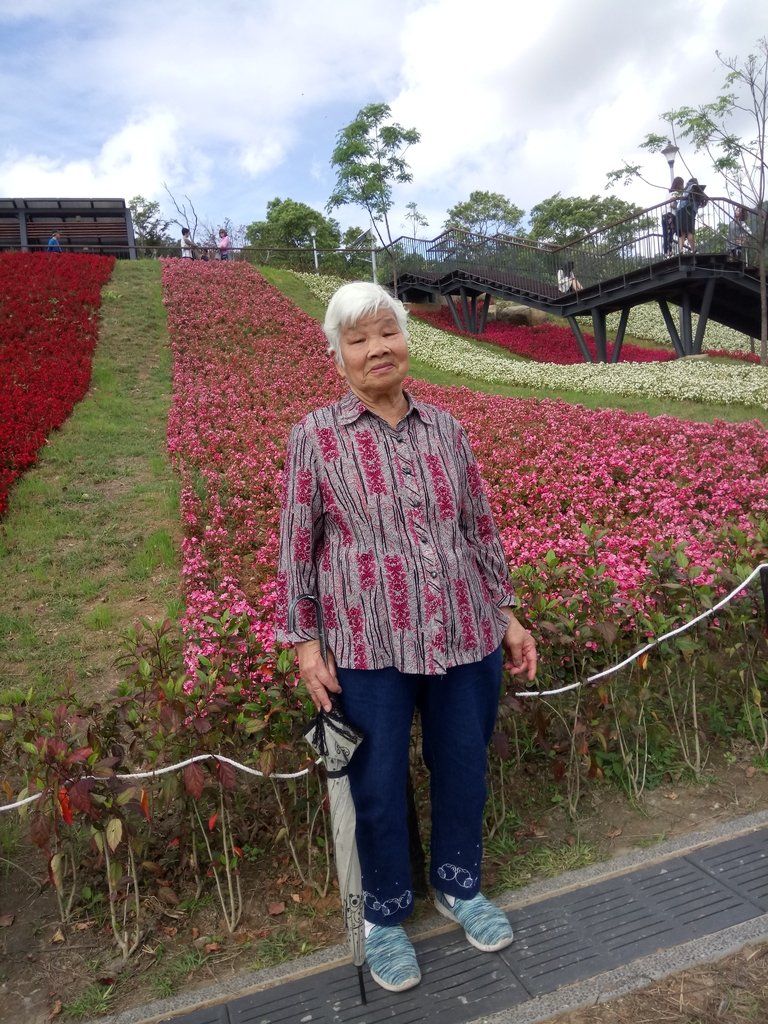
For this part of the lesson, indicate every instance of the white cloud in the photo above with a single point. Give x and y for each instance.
(531, 100)
(141, 155)
(258, 158)
(238, 101)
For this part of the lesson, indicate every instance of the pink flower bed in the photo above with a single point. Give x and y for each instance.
(544, 343)
(248, 365)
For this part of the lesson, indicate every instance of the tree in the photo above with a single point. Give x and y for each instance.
(741, 161)
(560, 219)
(414, 218)
(187, 218)
(369, 158)
(353, 238)
(356, 245)
(285, 237)
(209, 233)
(485, 213)
(713, 128)
(149, 226)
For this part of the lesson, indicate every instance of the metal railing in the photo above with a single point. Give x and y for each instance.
(617, 250)
(340, 261)
(614, 251)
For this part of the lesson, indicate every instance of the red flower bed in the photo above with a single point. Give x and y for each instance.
(48, 331)
(744, 357)
(544, 343)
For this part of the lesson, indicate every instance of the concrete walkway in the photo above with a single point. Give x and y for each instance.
(585, 937)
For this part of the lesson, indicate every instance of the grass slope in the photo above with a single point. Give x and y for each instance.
(91, 539)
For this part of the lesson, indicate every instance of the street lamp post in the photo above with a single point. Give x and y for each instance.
(313, 233)
(669, 153)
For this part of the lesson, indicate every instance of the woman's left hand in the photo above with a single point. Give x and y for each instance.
(520, 647)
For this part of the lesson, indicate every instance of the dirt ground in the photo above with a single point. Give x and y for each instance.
(732, 991)
(45, 970)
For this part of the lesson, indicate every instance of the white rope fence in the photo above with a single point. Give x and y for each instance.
(654, 643)
(155, 772)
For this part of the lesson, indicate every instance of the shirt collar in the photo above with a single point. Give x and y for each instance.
(351, 409)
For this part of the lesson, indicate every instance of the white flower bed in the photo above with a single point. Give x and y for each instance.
(683, 379)
(647, 322)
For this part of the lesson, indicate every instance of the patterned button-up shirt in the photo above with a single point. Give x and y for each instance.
(391, 529)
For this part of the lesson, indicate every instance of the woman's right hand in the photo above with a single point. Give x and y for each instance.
(318, 677)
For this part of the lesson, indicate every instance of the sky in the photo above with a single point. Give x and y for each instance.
(235, 102)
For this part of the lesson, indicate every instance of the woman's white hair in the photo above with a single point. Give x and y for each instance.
(351, 303)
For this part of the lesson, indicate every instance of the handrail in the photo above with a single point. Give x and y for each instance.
(611, 251)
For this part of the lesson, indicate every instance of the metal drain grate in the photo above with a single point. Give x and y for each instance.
(740, 864)
(558, 941)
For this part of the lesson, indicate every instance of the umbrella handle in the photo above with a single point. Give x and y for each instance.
(319, 616)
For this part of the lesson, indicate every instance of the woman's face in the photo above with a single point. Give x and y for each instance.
(375, 356)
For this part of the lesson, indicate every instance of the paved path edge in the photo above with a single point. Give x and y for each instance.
(600, 988)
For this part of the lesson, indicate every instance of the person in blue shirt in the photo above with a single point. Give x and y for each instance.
(54, 245)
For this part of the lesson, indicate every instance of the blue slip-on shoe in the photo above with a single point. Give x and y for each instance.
(391, 958)
(485, 926)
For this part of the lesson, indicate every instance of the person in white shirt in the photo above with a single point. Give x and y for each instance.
(188, 247)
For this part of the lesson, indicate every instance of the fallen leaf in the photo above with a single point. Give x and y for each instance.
(55, 1010)
(213, 947)
(296, 897)
(670, 796)
(613, 834)
(6, 920)
(167, 895)
(273, 909)
(750, 772)
(58, 936)
(195, 933)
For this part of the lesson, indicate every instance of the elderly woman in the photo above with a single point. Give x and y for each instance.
(386, 521)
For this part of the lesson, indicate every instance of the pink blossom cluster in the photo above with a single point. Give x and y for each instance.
(248, 365)
(544, 343)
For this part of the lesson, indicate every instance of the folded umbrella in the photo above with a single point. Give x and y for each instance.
(335, 741)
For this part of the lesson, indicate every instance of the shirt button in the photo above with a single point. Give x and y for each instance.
(433, 574)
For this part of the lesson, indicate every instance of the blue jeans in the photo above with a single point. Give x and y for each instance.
(458, 712)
